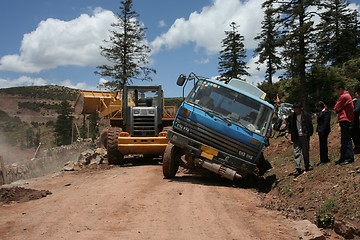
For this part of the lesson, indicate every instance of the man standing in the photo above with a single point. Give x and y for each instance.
(356, 125)
(344, 108)
(323, 130)
(301, 128)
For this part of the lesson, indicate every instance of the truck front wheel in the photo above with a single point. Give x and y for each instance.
(113, 154)
(171, 160)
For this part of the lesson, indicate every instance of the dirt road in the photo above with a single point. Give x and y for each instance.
(137, 203)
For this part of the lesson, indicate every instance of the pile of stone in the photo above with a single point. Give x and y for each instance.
(89, 157)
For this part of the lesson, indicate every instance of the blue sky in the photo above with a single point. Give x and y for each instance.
(57, 42)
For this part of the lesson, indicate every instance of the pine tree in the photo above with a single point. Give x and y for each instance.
(269, 41)
(63, 125)
(297, 38)
(126, 49)
(339, 35)
(232, 64)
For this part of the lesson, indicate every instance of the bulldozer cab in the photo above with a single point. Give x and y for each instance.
(143, 107)
(143, 96)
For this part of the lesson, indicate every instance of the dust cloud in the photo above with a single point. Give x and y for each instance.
(13, 154)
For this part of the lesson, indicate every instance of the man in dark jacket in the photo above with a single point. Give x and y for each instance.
(301, 128)
(356, 126)
(323, 130)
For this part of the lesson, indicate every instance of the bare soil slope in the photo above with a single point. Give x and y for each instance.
(329, 187)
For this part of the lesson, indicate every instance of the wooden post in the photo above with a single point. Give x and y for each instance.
(3, 170)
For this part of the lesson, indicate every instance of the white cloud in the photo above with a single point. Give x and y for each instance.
(59, 43)
(78, 85)
(257, 72)
(354, 6)
(206, 29)
(202, 61)
(161, 24)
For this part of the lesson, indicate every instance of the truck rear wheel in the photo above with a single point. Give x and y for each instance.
(171, 160)
(113, 154)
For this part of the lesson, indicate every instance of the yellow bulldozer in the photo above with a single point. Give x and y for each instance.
(138, 118)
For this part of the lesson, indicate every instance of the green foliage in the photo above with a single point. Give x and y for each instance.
(10, 124)
(321, 86)
(351, 69)
(324, 216)
(37, 106)
(50, 124)
(270, 89)
(63, 125)
(309, 49)
(321, 82)
(232, 64)
(338, 37)
(268, 44)
(13, 129)
(126, 49)
(92, 130)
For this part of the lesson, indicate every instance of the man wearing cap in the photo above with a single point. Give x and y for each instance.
(344, 108)
(301, 128)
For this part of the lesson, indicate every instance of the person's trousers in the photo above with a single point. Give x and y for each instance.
(346, 149)
(301, 147)
(323, 141)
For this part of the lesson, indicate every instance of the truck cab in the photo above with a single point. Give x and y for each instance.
(222, 127)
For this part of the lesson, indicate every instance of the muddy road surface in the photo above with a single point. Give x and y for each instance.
(135, 202)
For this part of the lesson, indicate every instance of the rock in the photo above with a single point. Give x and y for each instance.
(346, 230)
(101, 151)
(308, 230)
(69, 166)
(92, 156)
(85, 157)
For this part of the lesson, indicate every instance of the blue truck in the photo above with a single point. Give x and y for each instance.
(221, 127)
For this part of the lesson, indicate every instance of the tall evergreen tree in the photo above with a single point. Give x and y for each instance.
(63, 125)
(232, 64)
(339, 35)
(297, 37)
(126, 49)
(268, 44)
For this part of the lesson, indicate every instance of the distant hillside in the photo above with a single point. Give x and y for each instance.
(25, 111)
(49, 92)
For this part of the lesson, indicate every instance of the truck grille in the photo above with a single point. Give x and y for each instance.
(144, 126)
(214, 139)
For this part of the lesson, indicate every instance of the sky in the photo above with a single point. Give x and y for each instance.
(52, 42)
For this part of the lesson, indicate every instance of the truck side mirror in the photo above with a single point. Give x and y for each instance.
(181, 79)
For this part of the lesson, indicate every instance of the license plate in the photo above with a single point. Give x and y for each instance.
(208, 152)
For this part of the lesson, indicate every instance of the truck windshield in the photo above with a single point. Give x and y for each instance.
(235, 107)
(143, 97)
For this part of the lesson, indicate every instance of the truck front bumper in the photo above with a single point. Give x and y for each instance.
(212, 156)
